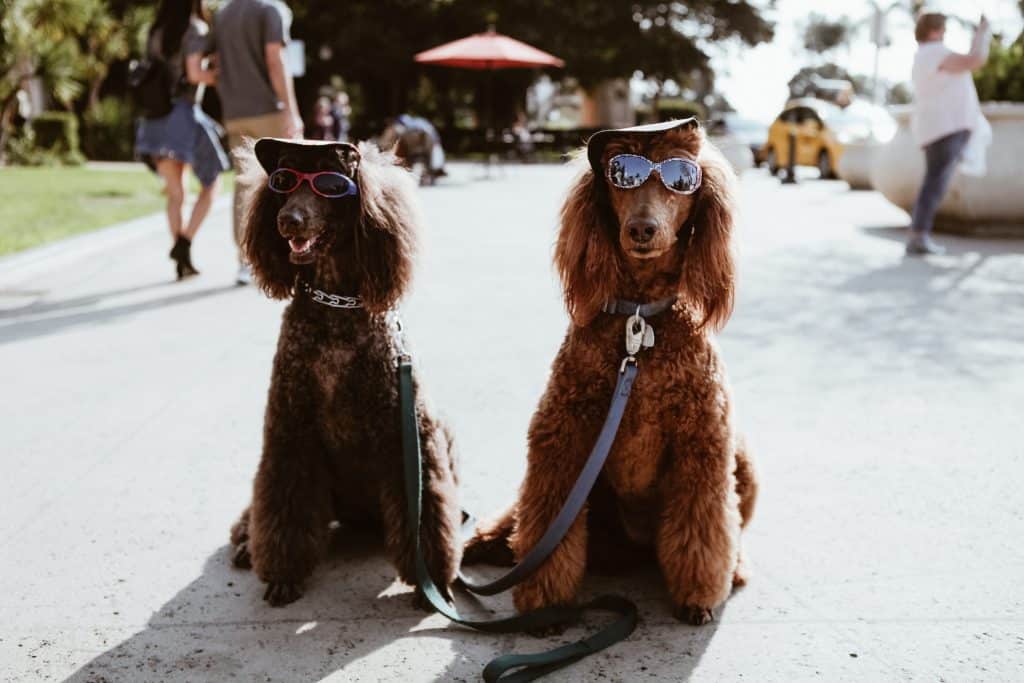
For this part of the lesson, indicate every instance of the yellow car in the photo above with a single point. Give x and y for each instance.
(817, 143)
(822, 130)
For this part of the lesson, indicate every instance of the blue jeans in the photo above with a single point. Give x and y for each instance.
(940, 160)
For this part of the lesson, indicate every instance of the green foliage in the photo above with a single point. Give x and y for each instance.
(899, 93)
(678, 108)
(823, 35)
(69, 44)
(1002, 77)
(109, 130)
(803, 83)
(372, 43)
(56, 131)
(50, 139)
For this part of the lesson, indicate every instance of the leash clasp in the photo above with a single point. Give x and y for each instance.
(628, 360)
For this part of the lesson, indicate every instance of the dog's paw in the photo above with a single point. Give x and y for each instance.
(420, 601)
(691, 614)
(281, 593)
(488, 551)
(241, 559)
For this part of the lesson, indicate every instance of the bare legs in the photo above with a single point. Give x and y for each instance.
(201, 209)
(173, 174)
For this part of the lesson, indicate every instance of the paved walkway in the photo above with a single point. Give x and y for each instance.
(883, 398)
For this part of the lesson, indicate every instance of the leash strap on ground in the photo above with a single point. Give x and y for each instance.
(519, 667)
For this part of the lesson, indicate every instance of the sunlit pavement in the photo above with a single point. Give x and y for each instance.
(882, 398)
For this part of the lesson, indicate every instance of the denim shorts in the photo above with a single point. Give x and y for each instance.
(187, 135)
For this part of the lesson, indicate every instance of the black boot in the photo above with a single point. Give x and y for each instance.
(182, 254)
(180, 245)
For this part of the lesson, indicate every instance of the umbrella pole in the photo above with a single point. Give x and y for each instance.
(489, 132)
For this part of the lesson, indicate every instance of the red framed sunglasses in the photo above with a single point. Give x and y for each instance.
(328, 184)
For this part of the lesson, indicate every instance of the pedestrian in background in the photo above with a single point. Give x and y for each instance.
(341, 111)
(946, 111)
(323, 127)
(185, 137)
(255, 85)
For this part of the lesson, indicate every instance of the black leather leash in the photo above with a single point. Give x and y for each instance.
(527, 667)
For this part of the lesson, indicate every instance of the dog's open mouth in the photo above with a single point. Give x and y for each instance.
(302, 249)
(645, 252)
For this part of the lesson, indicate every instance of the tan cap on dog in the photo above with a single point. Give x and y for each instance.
(269, 150)
(599, 140)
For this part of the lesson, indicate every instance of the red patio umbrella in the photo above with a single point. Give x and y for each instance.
(488, 50)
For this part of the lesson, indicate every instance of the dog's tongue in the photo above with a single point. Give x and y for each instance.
(300, 246)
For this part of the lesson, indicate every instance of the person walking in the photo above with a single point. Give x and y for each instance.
(946, 111)
(255, 85)
(186, 137)
(341, 110)
(323, 127)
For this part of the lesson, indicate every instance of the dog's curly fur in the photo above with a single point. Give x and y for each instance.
(332, 441)
(678, 480)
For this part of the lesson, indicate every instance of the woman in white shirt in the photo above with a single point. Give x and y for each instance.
(946, 110)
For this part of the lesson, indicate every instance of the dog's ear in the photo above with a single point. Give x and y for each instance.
(708, 281)
(262, 245)
(385, 237)
(586, 253)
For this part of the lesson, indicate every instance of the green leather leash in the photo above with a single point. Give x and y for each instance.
(522, 667)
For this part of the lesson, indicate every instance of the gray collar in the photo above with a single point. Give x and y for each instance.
(332, 300)
(623, 307)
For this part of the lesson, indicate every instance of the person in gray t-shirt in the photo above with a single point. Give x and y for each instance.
(255, 85)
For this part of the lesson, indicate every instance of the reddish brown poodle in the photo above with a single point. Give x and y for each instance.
(332, 440)
(678, 481)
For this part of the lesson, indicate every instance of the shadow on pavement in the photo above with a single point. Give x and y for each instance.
(218, 627)
(17, 330)
(39, 307)
(884, 313)
(956, 245)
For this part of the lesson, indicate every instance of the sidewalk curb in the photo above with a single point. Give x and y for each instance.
(78, 246)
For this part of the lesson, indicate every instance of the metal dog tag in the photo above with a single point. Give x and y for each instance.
(635, 328)
(648, 337)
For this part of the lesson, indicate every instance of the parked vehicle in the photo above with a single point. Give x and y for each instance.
(748, 131)
(821, 130)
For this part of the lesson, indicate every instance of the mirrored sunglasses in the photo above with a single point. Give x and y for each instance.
(629, 171)
(329, 184)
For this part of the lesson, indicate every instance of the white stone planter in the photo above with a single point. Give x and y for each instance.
(855, 164)
(989, 205)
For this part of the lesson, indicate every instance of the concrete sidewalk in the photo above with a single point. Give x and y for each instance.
(882, 397)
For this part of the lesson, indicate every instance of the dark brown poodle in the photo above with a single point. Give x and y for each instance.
(678, 483)
(331, 435)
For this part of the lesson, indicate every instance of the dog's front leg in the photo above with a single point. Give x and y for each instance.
(290, 511)
(699, 529)
(561, 436)
(440, 515)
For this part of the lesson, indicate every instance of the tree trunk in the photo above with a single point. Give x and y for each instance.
(6, 123)
(94, 92)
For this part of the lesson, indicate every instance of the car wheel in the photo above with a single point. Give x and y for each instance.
(772, 161)
(825, 166)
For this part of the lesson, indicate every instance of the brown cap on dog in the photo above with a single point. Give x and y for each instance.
(269, 150)
(600, 139)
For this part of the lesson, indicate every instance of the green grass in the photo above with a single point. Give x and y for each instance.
(39, 205)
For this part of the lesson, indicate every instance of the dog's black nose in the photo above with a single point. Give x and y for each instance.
(641, 230)
(289, 221)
